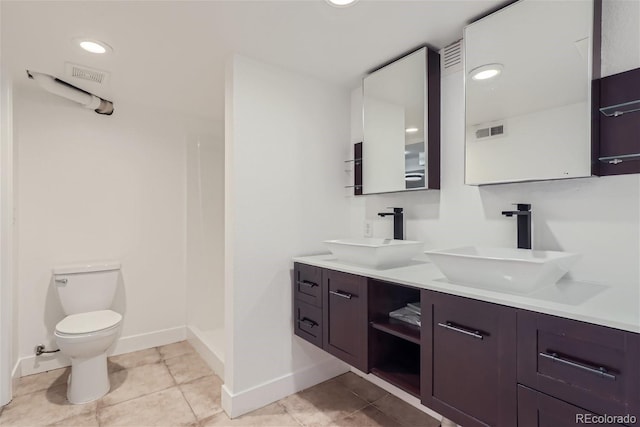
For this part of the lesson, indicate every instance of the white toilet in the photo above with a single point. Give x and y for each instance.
(86, 292)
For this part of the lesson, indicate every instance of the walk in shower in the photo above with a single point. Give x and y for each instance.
(205, 247)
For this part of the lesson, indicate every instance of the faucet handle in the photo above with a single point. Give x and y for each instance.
(522, 206)
(396, 210)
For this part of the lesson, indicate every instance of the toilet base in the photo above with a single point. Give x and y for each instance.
(89, 379)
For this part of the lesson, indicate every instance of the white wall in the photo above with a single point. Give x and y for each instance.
(285, 150)
(93, 187)
(8, 291)
(597, 217)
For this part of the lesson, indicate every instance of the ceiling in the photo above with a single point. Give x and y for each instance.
(172, 53)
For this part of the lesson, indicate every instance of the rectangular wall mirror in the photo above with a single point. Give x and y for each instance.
(528, 73)
(401, 125)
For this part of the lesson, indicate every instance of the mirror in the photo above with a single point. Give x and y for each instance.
(528, 72)
(398, 115)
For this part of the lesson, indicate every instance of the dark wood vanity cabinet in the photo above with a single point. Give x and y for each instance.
(478, 364)
(469, 360)
(589, 366)
(345, 317)
(330, 311)
(537, 409)
(394, 345)
(307, 303)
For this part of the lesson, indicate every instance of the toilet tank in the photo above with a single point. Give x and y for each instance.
(86, 287)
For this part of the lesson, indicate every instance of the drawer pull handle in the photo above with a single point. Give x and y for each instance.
(600, 371)
(457, 328)
(310, 323)
(341, 294)
(307, 283)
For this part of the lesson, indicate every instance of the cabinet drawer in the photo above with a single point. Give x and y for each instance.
(539, 410)
(587, 365)
(307, 284)
(308, 322)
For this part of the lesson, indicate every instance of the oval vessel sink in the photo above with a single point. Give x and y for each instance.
(373, 252)
(503, 269)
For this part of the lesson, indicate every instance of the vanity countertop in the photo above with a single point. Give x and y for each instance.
(588, 302)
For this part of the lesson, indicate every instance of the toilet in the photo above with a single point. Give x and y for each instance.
(86, 293)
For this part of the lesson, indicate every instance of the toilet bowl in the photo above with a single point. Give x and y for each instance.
(85, 338)
(89, 329)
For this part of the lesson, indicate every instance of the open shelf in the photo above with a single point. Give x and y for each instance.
(614, 160)
(399, 329)
(401, 376)
(620, 109)
(616, 149)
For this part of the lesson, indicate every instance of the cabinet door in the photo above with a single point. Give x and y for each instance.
(539, 410)
(345, 317)
(469, 360)
(591, 366)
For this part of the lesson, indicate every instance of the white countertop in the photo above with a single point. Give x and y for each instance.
(587, 302)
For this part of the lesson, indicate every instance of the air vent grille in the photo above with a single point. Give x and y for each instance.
(490, 131)
(452, 58)
(85, 73)
(82, 73)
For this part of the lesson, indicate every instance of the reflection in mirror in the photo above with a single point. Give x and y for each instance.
(394, 154)
(528, 71)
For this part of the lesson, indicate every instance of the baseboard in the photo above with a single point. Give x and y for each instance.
(214, 360)
(400, 394)
(256, 397)
(35, 364)
(149, 340)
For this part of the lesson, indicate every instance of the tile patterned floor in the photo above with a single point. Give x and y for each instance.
(172, 386)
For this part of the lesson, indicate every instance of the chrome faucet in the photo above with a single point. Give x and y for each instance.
(524, 224)
(398, 222)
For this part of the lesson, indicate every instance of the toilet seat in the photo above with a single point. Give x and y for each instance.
(87, 323)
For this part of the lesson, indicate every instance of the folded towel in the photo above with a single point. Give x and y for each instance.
(405, 315)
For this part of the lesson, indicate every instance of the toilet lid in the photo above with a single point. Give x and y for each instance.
(93, 321)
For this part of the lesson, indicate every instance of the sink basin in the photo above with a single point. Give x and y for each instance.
(518, 271)
(375, 253)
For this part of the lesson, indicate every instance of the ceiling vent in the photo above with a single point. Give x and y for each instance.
(85, 73)
(451, 58)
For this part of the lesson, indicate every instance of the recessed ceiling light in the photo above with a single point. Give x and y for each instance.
(411, 130)
(94, 46)
(485, 72)
(341, 3)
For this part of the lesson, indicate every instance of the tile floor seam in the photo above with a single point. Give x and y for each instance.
(290, 414)
(392, 417)
(351, 413)
(189, 404)
(103, 406)
(164, 362)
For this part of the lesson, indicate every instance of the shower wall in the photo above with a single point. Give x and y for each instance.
(205, 245)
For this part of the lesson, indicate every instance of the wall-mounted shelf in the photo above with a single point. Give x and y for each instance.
(355, 171)
(616, 146)
(614, 160)
(620, 109)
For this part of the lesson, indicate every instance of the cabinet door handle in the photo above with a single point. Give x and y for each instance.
(307, 283)
(308, 322)
(341, 294)
(599, 370)
(457, 328)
